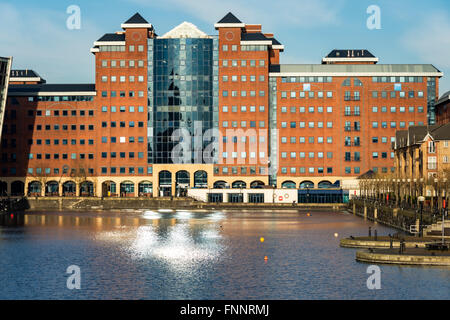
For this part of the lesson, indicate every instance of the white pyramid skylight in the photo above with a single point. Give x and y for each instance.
(185, 30)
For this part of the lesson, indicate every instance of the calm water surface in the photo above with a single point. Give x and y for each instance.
(200, 255)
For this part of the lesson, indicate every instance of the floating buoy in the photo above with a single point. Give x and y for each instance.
(261, 239)
(265, 258)
(308, 214)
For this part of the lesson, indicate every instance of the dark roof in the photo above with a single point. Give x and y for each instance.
(275, 41)
(35, 88)
(230, 18)
(254, 36)
(136, 19)
(16, 73)
(401, 139)
(416, 134)
(367, 175)
(350, 53)
(441, 132)
(443, 98)
(112, 37)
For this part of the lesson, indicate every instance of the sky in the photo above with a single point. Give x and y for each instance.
(36, 35)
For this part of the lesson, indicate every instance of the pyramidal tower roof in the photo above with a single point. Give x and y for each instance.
(229, 18)
(136, 21)
(185, 30)
(229, 21)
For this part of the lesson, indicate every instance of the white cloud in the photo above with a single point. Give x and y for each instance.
(303, 13)
(38, 39)
(430, 39)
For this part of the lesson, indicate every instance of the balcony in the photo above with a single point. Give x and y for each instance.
(350, 113)
(352, 98)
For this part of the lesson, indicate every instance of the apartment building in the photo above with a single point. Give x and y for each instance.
(189, 110)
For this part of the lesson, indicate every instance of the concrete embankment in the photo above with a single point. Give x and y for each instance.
(392, 217)
(384, 242)
(85, 204)
(413, 256)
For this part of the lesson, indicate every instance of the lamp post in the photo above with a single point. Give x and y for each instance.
(436, 193)
(307, 195)
(421, 200)
(444, 207)
(443, 220)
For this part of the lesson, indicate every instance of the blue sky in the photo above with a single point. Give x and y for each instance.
(35, 33)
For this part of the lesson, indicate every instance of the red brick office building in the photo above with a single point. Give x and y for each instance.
(443, 109)
(292, 126)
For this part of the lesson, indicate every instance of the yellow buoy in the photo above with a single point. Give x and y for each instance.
(261, 239)
(308, 214)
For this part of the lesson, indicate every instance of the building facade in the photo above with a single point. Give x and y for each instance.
(5, 68)
(443, 109)
(188, 110)
(422, 159)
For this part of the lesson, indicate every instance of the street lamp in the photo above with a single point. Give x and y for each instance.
(443, 222)
(436, 192)
(421, 200)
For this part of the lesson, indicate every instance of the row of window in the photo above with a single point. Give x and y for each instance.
(393, 124)
(383, 155)
(122, 155)
(56, 171)
(122, 124)
(243, 63)
(122, 63)
(126, 170)
(63, 156)
(59, 98)
(57, 113)
(243, 108)
(329, 170)
(401, 94)
(310, 109)
(306, 79)
(383, 169)
(252, 155)
(243, 139)
(394, 109)
(310, 139)
(122, 94)
(383, 139)
(243, 78)
(63, 142)
(123, 109)
(122, 79)
(302, 94)
(131, 48)
(64, 127)
(122, 139)
(243, 93)
(235, 47)
(397, 79)
(302, 124)
(302, 155)
(104, 170)
(242, 170)
(243, 124)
